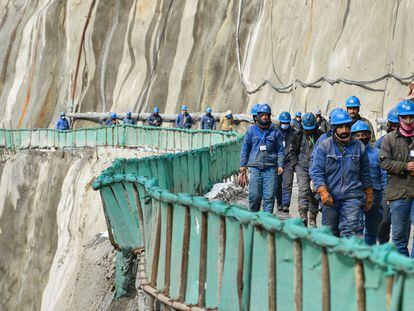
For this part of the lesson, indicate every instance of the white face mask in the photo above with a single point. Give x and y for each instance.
(284, 126)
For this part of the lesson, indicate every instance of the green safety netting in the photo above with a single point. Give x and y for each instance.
(244, 260)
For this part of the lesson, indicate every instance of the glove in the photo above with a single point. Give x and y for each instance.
(369, 197)
(243, 181)
(326, 197)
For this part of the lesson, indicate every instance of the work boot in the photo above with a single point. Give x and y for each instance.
(312, 218)
(303, 214)
(279, 207)
(286, 209)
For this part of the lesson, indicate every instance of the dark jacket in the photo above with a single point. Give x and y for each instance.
(287, 137)
(207, 122)
(323, 125)
(154, 120)
(302, 146)
(394, 156)
(251, 154)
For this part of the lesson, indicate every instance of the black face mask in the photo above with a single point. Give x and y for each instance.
(365, 141)
(263, 123)
(343, 135)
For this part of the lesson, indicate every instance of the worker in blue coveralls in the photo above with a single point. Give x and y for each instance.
(112, 120)
(155, 119)
(297, 121)
(361, 131)
(62, 124)
(341, 175)
(184, 120)
(128, 119)
(285, 180)
(385, 225)
(263, 153)
(207, 121)
(397, 158)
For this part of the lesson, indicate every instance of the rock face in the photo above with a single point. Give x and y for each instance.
(54, 247)
(100, 55)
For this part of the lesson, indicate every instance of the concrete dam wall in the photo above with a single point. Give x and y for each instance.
(101, 55)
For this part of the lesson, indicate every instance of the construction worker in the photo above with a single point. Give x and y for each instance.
(353, 106)
(112, 120)
(300, 155)
(184, 120)
(397, 158)
(62, 124)
(227, 121)
(321, 121)
(361, 131)
(285, 180)
(341, 175)
(297, 121)
(254, 112)
(263, 153)
(155, 119)
(207, 121)
(385, 225)
(128, 119)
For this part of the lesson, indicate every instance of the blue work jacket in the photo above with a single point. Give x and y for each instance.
(253, 152)
(345, 170)
(183, 122)
(62, 124)
(208, 122)
(127, 120)
(378, 175)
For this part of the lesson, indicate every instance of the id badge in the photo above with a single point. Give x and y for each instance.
(412, 153)
(262, 148)
(284, 144)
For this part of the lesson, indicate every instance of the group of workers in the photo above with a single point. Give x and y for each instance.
(184, 120)
(363, 187)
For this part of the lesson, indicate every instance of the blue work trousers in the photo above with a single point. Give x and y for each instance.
(373, 219)
(402, 216)
(284, 186)
(344, 217)
(262, 186)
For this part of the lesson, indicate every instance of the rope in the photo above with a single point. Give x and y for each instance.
(314, 84)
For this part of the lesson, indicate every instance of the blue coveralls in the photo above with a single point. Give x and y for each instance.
(111, 121)
(379, 181)
(263, 153)
(208, 122)
(62, 124)
(154, 120)
(128, 120)
(345, 170)
(183, 121)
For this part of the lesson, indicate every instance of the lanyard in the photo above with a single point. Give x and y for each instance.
(263, 137)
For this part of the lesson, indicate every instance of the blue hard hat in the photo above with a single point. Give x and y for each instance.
(352, 102)
(183, 108)
(405, 108)
(339, 117)
(309, 121)
(113, 115)
(62, 114)
(156, 110)
(360, 126)
(392, 116)
(129, 113)
(254, 109)
(332, 111)
(284, 117)
(265, 108)
(298, 114)
(209, 110)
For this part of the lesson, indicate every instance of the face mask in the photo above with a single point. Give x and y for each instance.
(284, 126)
(406, 129)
